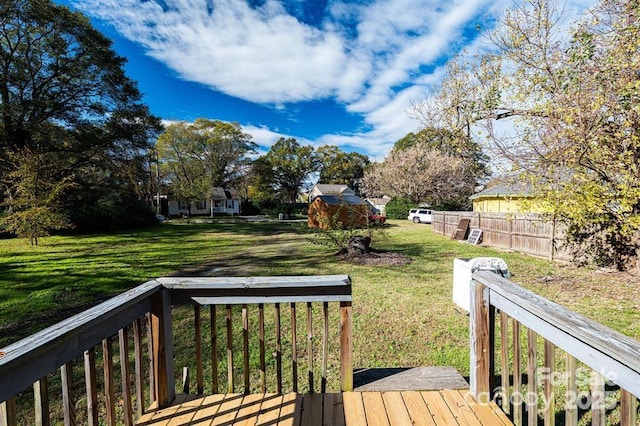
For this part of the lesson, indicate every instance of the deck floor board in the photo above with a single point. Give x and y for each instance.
(446, 407)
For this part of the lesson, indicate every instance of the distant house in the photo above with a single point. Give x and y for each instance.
(503, 198)
(326, 189)
(378, 205)
(338, 211)
(222, 201)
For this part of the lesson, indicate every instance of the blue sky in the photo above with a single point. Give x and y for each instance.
(323, 71)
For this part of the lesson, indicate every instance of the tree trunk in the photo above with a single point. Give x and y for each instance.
(358, 245)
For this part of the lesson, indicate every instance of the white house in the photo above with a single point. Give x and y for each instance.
(378, 205)
(222, 201)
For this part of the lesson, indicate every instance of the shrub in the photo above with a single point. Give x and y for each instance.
(398, 208)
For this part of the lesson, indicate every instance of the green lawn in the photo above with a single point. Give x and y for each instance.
(403, 315)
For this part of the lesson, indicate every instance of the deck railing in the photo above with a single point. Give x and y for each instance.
(601, 372)
(82, 344)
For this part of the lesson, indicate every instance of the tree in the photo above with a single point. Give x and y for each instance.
(421, 175)
(34, 207)
(67, 106)
(449, 142)
(573, 105)
(199, 156)
(283, 170)
(339, 167)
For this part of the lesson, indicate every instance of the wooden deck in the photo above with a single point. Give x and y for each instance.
(445, 407)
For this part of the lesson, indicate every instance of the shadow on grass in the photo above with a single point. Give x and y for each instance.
(66, 275)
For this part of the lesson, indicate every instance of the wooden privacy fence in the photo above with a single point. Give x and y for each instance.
(527, 233)
(141, 321)
(598, 376)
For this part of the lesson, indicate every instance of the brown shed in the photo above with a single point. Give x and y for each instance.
(338, 211)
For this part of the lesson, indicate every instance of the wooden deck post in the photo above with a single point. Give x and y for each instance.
(481, 354)
(346, 347)
(162, 335)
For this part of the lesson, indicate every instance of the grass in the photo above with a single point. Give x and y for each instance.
(403, 315)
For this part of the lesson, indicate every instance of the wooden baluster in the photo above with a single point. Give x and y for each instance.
(492, 350)
(346, 347)
(532, 380)
(214, 348)
(549, 364)
(68, 402)
(109, 391)
(245, 347)
(310, 345)
(152, 376)
(571, 412)
(90, 381)
(504, 362)
(294, 348)
(598, 417)
(123, 336)
(138, 363)
(197, 319)
(517, 375)
(278, 349)
(263, 364)
(41, 402)
(325, 345)
(230, 387)
(628, 408)
(8, 415)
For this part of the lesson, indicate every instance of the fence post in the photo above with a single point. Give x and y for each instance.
(162, 335)
(346, 347)
(553, 238)
(510, 219)
(481, 355)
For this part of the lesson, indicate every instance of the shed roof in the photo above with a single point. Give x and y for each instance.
(336, 200)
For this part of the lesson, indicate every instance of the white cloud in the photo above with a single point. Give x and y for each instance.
(265, 55)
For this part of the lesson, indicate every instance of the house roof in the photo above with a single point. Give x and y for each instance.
(503, 190)
(219, 193)
(336, 200)
(327, 189)
(379, 201)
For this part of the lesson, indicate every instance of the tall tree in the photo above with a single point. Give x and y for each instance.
(202, 155)
(66, 105)
(339, 167)
(421, 175)
(284, 169)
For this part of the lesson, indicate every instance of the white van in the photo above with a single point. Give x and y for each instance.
(420, 215)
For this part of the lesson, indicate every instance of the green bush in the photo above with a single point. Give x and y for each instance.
(398, 208)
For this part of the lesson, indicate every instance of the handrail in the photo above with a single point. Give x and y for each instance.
(29, 361)
(25, 361)
(604, 350)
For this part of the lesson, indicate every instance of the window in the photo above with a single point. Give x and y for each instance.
(229, 204)
(182, 205)
(201, 205)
